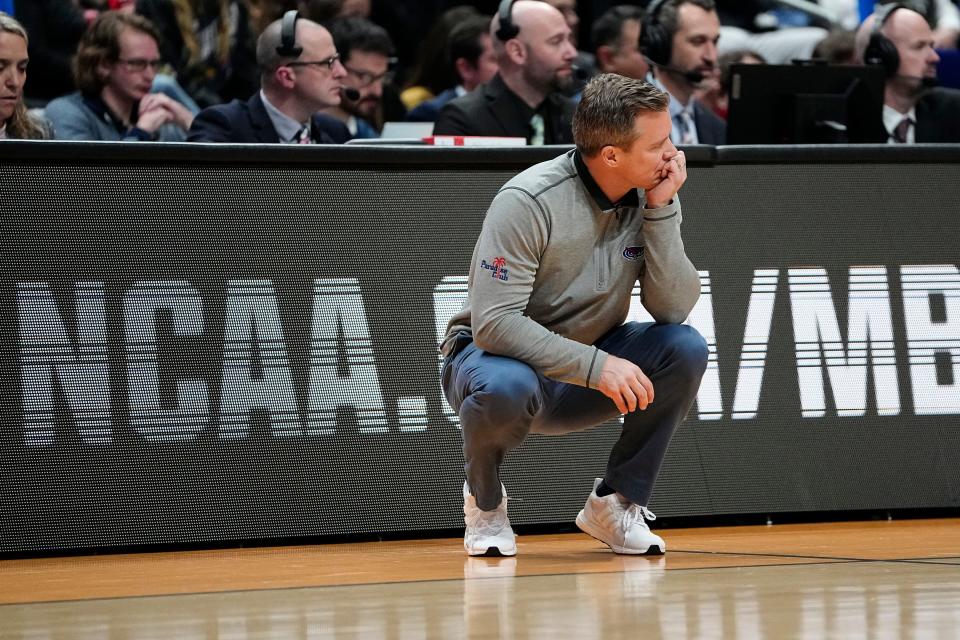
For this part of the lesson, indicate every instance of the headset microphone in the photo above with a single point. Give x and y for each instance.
(693, 76)
(349, 93)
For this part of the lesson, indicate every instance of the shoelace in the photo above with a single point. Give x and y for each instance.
(637, 514)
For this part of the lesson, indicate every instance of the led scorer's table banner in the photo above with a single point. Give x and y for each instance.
(225, 343)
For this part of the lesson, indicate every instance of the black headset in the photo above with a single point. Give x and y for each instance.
(880, 49)
(656, 41)
(507, 30)
(288, 36)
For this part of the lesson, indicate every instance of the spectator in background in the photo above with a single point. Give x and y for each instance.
(210, 45)
(294, 89)
(717, 97)
(535, 61)
(321, 11)
(679, 37)
(55, 28)
(837, 48)
(162, 82)
(902, 42)
(616, 42)
(114, 70)
(355, 8)
(470, 55)
(366, 51)
(434, 72)
(15, 121)
(126, 6)
(56, 57)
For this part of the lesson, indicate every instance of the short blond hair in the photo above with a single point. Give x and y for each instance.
(608, 110)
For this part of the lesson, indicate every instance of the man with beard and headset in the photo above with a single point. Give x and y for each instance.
(535, 56)
(679, 39)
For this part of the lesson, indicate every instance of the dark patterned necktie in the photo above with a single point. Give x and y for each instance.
(901, 130)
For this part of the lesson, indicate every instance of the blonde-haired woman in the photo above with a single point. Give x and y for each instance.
(15, 121)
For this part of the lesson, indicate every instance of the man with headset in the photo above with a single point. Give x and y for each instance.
(300, 74)
(541, 345)
(679, 39)
(901, 41)
(366, 51)
(535, 54)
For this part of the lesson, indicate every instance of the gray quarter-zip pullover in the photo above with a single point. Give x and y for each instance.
(554, 267)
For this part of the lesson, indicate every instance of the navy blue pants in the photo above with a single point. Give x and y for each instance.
(500, 400)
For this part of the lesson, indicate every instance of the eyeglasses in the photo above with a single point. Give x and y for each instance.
(140, 64)
(326, 62)
(367, 78)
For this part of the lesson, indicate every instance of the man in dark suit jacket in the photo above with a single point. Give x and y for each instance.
(912, 111)
(938, 116)
(523, 99)
(248, 121)
(685, 63)
(470, 57)
(295, 88)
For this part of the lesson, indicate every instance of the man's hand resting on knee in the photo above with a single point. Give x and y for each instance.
(625, 384)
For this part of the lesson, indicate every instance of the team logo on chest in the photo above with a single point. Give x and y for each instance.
(498, 266)
(633, 253)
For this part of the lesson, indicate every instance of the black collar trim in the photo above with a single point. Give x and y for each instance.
(630, 200)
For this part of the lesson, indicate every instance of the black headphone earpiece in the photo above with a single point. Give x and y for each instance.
(288, 36)
(656, 42)
(880, 49)
(506, 30)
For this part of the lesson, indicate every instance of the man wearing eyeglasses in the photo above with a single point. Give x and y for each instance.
(366, 51)
(117, 61)
(293, 90)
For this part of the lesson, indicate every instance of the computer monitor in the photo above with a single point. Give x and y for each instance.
(807, 103)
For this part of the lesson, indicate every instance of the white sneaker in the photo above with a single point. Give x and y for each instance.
(488, 533)
(621, 526)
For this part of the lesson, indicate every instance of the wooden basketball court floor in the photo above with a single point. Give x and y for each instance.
(879, 579)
